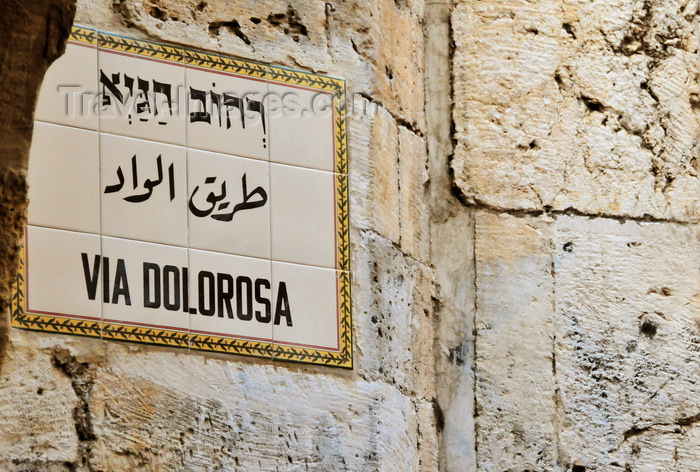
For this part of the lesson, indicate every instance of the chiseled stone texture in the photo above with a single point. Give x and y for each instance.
(588, 105)
(397, 304)
(587, 344)
(627, 345)
(413, 179)
(514, 336)
(374, 183)
(159, 411)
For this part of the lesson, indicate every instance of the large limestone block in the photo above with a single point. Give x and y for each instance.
(374, 170)
(515, 405)
(583, 105)
(41, 391)
(393, 312)
(627, 342)
(414, 210)
(160, 411)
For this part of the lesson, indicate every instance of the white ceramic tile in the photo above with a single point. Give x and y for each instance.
(229, 204)
(227, 114)
(230, 296)
(69, 91)
(64, 178)
(158, 114)
(143, 190)
(154, 276)
(305, 307)
(63, 273)
(301, 127)
(303, 216)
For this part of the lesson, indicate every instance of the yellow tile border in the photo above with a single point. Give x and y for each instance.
(230, 345)
(144, 335)
(231, 65)
(194, 341)
(83, 35)
(149, 49)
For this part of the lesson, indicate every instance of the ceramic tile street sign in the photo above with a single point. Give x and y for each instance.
(188, 199)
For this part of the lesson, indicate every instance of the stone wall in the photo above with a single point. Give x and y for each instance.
(524, 209)
(576, 128)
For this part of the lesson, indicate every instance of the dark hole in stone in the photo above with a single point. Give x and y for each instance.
(578, 468)
(158, 14)
(569, 29)
(201, 6)
(40, 391)
(255, 21)
(568, 247)
(389, 73)
(290, 22)
(533, 144)
(648, 328)
(234, 26)
(592, 104)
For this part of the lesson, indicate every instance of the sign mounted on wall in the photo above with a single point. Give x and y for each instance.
(188, 199)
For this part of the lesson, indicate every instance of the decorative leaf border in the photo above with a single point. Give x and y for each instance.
(140, 47)
(143, 335)
(194, 341)
(83, 35)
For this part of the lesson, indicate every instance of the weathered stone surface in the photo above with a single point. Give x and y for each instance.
(453, 257)
(627, 342)
(515, 404)
(579, 334)
(583, 105)
(39, 398)
(396, 341)
(414, 210)
(159, 411)
(374, 188)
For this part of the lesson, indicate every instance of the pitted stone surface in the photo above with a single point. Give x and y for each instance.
(590, 106)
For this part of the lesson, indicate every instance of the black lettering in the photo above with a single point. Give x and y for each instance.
(248, 293)
(165, 89)
(169, 271)
(91, 279)
(185, 291)
(148, 269)
(105, 279)
(200, 96)
(266, 316)
(110, 85)
(282, 305)
(121, 284)
(203, 309)
(225, 294)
